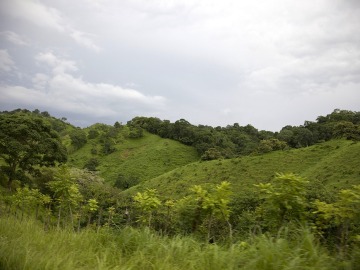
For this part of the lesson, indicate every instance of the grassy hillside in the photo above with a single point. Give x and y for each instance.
(25, 245)
(334, 163)
(143, 158)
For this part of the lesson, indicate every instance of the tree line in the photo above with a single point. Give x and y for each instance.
(235, 140)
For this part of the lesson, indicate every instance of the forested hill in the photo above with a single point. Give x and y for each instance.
(144, 191)
(235, 140)
(144, 148)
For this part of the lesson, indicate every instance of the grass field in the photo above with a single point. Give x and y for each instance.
(25, 245)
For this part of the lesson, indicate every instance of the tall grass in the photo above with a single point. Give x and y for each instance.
(24, 245)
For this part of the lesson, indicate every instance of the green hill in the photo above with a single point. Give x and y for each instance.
(334, 163)
(133, 159)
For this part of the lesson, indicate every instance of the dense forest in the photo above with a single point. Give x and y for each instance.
(152, 194)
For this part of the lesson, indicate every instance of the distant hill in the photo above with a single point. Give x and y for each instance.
(124, 159)
(334, 163)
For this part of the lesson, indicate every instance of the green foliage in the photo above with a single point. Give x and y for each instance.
(93, 134)
(269, 145)
(284, 200)
(91, 164)
(347, 130)
(25, 245)
(29, 200)
(93, 205)
(135, 132)
(205, 207)
(66, 193)
(211, 154)
(231, 141)
(25, 143)
(343, 214)
(78, 138)
(148, 202)
(125, 182)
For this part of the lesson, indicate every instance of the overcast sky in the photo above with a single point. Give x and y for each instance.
(268, 63)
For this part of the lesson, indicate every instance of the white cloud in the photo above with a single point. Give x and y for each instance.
(14, 38)
(63, 91)
(215, 61)
(35, 12)
(40, 81)
(6, 62)
(42, 16)
(84, 40)
(58, 65)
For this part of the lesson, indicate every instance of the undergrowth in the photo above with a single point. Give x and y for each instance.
(25, 245)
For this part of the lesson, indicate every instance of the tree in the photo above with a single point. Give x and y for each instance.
(269, 145)
(343, 214)
(204, 208)
(26, 143)
(302, 137)
(78, 138)
(284, 200)
(125, 182)
(66, 192)
(215, 204)
(286, 134)
(347, 130)
(148, 202)
(91, 164)
(92, 207)
(211, 154)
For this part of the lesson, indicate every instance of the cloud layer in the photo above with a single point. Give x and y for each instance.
(268, 63)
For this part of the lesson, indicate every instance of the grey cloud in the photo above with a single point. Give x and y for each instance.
(6, 62)
(14, 38)
(211, 62)
(47, 17)
(66, 93)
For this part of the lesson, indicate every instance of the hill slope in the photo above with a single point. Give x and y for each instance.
(137, 158)
(334, 163)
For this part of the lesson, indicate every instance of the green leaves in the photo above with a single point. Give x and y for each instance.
(26, 142)
(147, 202)
(346, 208)
(284, 199)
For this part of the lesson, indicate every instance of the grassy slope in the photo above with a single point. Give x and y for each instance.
(25, 245)
(144, 158)
(334, 163)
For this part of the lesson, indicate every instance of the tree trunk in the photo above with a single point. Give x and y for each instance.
(99, 217)
(230, 231)
(79, 221)
(89, 220)
(59, 217)
(150, 215)
(209, 228)
(12, 168)
(71, 217)
(197, 216)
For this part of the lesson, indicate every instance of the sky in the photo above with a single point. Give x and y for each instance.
(268, 63)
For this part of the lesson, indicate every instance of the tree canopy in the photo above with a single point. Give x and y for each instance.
(26, 143)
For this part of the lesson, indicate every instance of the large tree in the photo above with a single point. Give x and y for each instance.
(26, 143)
